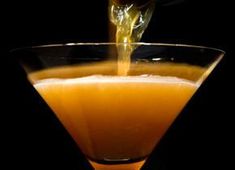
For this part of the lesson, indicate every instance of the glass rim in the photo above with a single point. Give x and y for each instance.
(114, 43)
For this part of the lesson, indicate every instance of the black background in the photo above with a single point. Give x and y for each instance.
(32, 138)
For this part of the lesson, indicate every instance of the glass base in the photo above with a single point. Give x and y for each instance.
(127, 166)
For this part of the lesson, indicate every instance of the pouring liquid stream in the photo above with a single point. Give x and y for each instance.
(131, 20)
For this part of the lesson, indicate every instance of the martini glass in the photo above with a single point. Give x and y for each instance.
(117, 120)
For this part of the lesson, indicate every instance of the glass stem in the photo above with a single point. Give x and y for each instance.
(125, 166)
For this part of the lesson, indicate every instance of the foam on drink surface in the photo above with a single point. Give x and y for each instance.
(98, 79)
